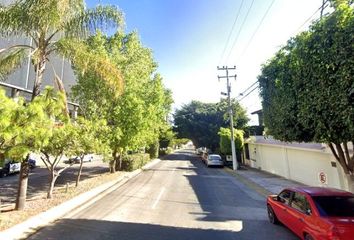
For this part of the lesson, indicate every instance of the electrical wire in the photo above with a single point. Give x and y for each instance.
(247, 94)
(230, 34)
(324, 6)
(241, 94)
(238, 33)
(255, 32)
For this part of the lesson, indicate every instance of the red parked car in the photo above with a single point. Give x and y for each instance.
(314, 213)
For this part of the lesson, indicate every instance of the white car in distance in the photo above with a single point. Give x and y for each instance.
(214, 160)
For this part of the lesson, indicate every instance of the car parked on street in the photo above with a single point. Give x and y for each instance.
(9, 167)
(76, 160)
(314, 213)
(213, 160)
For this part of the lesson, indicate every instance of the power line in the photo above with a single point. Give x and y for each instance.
(321, 8)
(259, 25)
(248, 94)
(232, 29)
(238, 33)
(241, 94)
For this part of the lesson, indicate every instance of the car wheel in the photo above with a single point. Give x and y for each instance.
(271, 215)
(308, 237)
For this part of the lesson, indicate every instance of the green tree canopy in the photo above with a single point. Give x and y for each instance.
(308, 87)
(225, 139)
(201, 122)
(137, 116)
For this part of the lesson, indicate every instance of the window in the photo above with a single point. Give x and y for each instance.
(335, 206)
(213, 157)
(284, 196)
(299, 202)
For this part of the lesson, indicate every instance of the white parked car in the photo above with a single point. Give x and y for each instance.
(214, 160)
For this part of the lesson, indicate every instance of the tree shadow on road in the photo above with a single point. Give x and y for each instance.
(94, 229)
(38, 181)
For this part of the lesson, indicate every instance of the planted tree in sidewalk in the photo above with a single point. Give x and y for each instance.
(30, 126)
(60, 142)
(90, 137)
(56, 27)
(136, 116)
(308, 87)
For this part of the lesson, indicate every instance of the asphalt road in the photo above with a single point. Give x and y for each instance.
(177, 199)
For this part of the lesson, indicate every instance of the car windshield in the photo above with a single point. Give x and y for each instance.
(214, 157)
(335, 206)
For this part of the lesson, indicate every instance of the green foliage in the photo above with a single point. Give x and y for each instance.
(25, 128)
(137, 117)
(201, 122)
(134, 161)
(166, 137)
(225, 139)
(178, 142)
(165, 151)
(90, 137)
(153, 150)
(254, 131)
(308, 87)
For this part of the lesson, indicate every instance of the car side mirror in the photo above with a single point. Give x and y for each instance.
(278, 198)
(308, 212)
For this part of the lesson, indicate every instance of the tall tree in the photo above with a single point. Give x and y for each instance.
(201, 122)
(30, 127)
(308, 87)
(135, 118)
(56, 27)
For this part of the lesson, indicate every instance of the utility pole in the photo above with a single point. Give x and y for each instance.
(228, 86)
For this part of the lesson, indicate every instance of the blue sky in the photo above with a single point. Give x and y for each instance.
(188, 37)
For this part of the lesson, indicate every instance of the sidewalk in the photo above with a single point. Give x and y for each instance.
(263, 182)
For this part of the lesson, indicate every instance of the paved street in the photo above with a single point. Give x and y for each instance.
(179, 198)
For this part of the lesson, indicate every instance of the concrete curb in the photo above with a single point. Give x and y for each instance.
(249, 183)
(25, 229)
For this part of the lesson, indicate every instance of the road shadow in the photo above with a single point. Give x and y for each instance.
(76, 229)
(222, 198)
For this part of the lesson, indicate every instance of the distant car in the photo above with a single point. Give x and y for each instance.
(214, 160)
(76, 160)
(314, 213)
(32, 163)
(9, 167)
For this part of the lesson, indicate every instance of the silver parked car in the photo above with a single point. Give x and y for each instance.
(214, 160)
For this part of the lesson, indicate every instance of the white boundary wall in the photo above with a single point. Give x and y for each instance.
(302, 162)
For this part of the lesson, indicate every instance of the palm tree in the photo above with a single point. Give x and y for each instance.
(56, 27)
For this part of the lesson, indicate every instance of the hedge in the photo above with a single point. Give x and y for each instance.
(134, 161)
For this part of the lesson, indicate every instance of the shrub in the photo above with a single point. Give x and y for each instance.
(134, 161)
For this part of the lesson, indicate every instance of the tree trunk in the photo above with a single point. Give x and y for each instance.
(22, 185)
(61, 88)
(79, 171)
(350, 181)
(23, 178)
(39, 69)
(118, 162)
(53, 178)
(112, 165)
